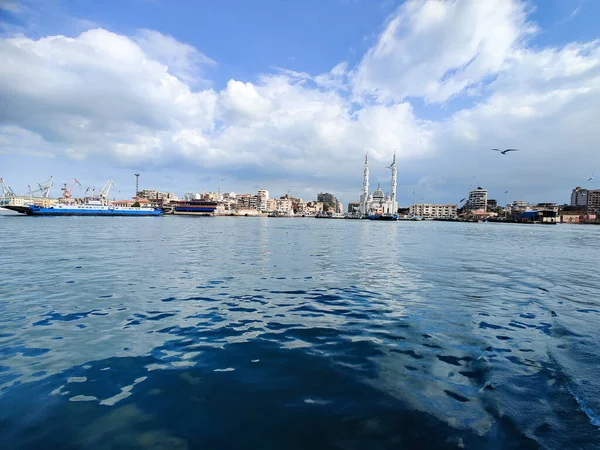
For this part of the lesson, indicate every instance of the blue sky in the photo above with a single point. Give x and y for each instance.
(289, 94)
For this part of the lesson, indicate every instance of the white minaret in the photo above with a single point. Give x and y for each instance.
(365, 191)
(393, 185)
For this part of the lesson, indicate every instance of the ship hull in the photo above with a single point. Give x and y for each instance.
(91, 211)
(191, 207)
(383, 217)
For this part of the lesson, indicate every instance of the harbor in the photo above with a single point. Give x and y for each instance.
(377, 205)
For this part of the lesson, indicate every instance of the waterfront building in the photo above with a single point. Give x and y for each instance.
(579, 197)
(262, 199)
(572, 214)
(378, 202)
(492, 205)
(314, 208)
(478, 199)
(326, 198)
(284, 206)
(593, 201)
(354, 208)
(156, 196)
(431, 211)
(271, 204)
(519, 205)
(246, 201)
(546, 207)
(128, 203)
(299, 206)
(330, 202)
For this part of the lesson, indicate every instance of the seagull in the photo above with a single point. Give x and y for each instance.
(463, 200)
(505, 151)
(591, 178)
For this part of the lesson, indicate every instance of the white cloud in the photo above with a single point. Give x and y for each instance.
(183, 60)
(435, 50)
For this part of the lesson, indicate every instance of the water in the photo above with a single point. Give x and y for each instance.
(231, 333)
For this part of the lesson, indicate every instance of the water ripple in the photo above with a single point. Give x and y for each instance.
(219, 332)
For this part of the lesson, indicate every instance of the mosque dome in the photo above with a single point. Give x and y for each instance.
(378, 194)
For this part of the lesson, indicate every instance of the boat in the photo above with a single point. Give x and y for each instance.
(89, 208)
(191, 207)
(386, 216)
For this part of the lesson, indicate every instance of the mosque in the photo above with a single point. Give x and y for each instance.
(378, 203)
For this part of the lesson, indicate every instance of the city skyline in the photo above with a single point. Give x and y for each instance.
(204, 103)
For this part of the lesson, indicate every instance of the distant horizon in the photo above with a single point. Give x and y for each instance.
(292, 94)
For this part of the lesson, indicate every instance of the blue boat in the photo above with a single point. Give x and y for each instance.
(383, 217)
(91, 208)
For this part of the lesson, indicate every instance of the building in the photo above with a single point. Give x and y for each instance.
(140, 202)
(546, 207)
(535, 216)
(593, 201)
(588, 198)
(478, 199)
(246, 201)
(378, 203)
(157, 196)
(314, 208)
(262, 198)
(354, 208)
(492, 205)
(284, 206)
(328, 200)
(271, 204)
(519, 205)
(430, 211)
(579, 197)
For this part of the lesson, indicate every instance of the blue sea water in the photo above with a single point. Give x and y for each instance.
(257, 333)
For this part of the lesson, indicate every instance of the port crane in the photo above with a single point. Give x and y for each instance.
(106, 189)
(68, 192)
(6, 189)
(43, 189)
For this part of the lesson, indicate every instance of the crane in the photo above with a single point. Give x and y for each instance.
(6, 190)
(68, 192)
(106, 189)
(43, 189)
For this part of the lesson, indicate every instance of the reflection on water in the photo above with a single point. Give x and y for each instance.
(297, 333)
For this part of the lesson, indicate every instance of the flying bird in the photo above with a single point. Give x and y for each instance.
(505, 151)
(591, 178)
(463, 200)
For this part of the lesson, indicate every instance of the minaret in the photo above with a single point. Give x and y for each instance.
(365, 192)
(393, 185)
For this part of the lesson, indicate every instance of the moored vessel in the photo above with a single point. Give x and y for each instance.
(89, 208)
(191, 207)
(383, 217)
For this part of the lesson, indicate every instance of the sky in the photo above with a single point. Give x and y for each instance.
(289, 95)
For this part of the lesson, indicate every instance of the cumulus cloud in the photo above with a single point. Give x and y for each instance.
(144, 99)
(101, 92)
(435, 49)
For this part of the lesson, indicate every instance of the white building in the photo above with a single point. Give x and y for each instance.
(430, 211)
(284, 206)
(478, 199)
(262, 200)
(378, 202)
